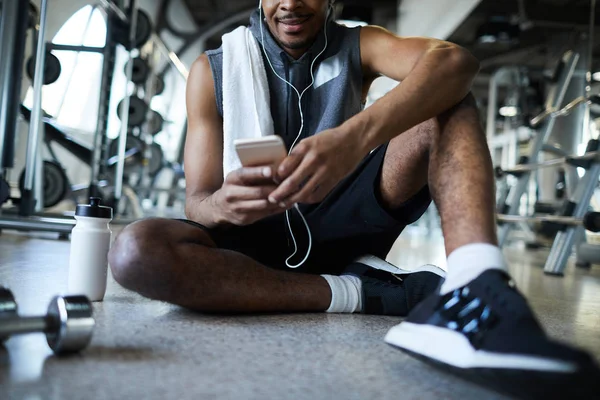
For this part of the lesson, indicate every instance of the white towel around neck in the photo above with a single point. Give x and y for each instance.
(246, 99)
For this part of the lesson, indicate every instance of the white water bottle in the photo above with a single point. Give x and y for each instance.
(90, 242)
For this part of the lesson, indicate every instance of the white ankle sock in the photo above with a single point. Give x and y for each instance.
(468, 262)
(346, 293)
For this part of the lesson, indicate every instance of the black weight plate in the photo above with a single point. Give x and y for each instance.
(155, 123)
(121, 30)
(52, 69)
(137, 111)
(34, 16)
(141, 70)
(8, 307)
(155, 163)
(595, 110)
(132, 161)
(4, 192)
(159, 86)
(56, 184)
(144, 28)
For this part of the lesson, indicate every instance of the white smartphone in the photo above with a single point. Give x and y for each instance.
(263, 151)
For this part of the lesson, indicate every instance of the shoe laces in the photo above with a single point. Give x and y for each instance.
(474, 315)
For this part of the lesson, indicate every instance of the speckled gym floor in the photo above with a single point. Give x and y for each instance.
(143, 349)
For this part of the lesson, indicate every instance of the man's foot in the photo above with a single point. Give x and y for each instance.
(389, 290)
(487, 333)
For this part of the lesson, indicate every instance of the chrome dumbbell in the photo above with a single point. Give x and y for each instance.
(68, 325)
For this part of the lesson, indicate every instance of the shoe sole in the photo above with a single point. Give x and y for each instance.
(453, 348)
(378, 263)
(554, 379)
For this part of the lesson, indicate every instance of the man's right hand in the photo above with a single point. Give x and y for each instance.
(243, 198)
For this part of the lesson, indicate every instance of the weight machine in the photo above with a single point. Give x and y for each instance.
(569, 224)
(131, 28)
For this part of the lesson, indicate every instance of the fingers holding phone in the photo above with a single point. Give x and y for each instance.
(245, 192)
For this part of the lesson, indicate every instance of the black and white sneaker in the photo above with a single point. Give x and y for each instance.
(487, 333)
(389, 290)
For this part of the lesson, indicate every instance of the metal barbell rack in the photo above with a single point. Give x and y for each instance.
(512, 203)
(578, 161)
(566, 110)
(574, 213)
(591, 221)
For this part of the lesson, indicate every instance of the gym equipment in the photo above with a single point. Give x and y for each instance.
(68, 324)
(14, 23)
(587, 254)
(137, 111)
(8, 306)
(62, 226)
(121, 30)
(141, 70)
(52, 68)
(56, 183)
(32, 190)
(552, 112)
(134, 153)
(155, 123)
(132, 23)
(591, 221)
(158, 85)
(95, 155)
(157, 159)
(4, 191)
(54, 134)
(511, 202)
(583, 161)
(134, 149)
(574, 212)
(569, 223)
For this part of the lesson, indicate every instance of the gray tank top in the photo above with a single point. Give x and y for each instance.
(335, 96)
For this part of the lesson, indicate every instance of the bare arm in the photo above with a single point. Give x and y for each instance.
(435, 76)
(241, 198)
(204, 145)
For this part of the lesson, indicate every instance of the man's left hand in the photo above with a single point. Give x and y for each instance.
(316, 165)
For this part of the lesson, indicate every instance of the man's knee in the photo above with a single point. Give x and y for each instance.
(134, 249)
(465, 111)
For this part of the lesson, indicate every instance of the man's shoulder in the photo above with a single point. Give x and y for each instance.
(215, 58)
(215, 52)
(345, 30)
(344, 36)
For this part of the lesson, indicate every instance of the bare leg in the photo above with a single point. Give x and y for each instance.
(178, 263)
(449, 153)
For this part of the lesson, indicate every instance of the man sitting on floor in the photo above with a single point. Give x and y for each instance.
(359, 178)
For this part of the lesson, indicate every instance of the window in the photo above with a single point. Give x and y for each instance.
(73, 99)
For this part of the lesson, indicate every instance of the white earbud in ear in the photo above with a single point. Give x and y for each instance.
(260, 4)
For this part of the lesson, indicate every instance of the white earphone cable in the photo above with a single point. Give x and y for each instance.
(300, 96)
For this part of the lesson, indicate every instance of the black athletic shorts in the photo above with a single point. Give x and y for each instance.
(348, 223)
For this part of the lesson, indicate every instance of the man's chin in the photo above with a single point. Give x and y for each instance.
(297, 44)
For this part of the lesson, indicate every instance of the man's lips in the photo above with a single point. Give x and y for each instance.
(293, 25)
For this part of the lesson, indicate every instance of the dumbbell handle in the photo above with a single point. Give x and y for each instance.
(20, 325)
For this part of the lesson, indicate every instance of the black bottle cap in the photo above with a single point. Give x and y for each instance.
(94, 210)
